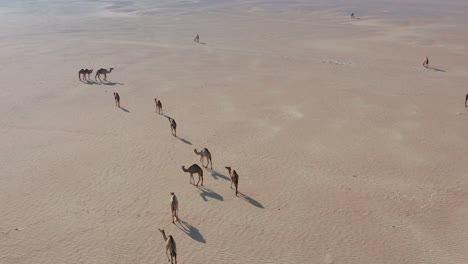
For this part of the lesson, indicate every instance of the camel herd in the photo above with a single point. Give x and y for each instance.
(205, 157)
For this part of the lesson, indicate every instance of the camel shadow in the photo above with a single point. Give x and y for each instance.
(434, 69)
(184, 140)
(217, 175)
(203, 43)
(191, 231)
(207, 192)
(90, 82)
(125, 110)
(250, 200)
(111, 83)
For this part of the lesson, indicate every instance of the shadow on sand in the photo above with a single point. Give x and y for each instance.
(207, 192)
(190, 231)
(90, 82)
(250, 200)
(217, 175)
(125, 110)
(434, 69)
(184, 140)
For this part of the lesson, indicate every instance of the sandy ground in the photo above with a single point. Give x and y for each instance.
(348, 150)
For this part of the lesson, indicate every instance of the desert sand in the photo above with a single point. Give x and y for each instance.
(348, 150)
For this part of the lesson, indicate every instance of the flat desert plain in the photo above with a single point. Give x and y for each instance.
(348, 150)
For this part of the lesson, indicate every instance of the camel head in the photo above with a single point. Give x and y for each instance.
(196, 152)
(172, 193)
(90, 71)
(229, 169)
(110, 69)
(183, 168)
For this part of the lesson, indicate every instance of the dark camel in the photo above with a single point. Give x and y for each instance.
(84, 72)
(234, 177)
(466, 99)
(159, 109)
(194, 169)
(117, 99)
(104, 72)
(173, 126)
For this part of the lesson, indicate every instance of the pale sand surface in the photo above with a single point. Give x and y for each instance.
(348, 150)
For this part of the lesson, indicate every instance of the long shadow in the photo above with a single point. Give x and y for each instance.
(217, 175)
(434, 69)
(184, 140)
(125, 110)
(250, 200)
(111, 83)
(190, 231)
(207, 192)
(89, 82)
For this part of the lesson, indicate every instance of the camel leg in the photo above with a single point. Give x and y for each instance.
(211, 163)
(236, 188)
(231, 184)
(168, 259)
(201, 177)
(466, 100)
(105, 77)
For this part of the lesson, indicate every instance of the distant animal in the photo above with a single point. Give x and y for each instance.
(84, 72)
(194, 169)
(171, 248)
(174, 207)
(173, 124)
(234, 177)
(204, 154)
(104, 72)
(117, 99)
(352, 15)
(159, 109)
(466, 99)
(426, 62)
(197, 39)
(156, 104)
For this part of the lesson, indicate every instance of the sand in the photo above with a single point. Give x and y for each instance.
(348, 150)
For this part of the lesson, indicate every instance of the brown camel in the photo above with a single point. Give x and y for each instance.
(171, 248)
(204, 154)
(104, 72)
(173, 126)
(194, 169)
(174, 207)
(466, 99)
(117, 99)
(84, 72)
(159, 109)
(234, 177)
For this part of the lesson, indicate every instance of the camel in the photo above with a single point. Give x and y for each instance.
(352, 15)
(159, 109)
(104, 72)
(466, 99)
(197, 39)
(171, 248)
(426, 62)
(204, 154)
(173, 126)
(174, 207)
(234, 178)
(192, 170)
(117, 99)
(84, 72)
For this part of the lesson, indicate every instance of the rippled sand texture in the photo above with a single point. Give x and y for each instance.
(348, 150)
